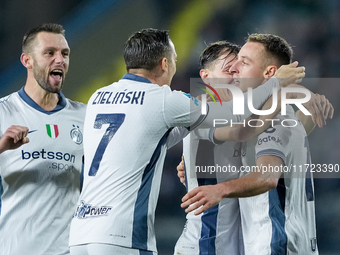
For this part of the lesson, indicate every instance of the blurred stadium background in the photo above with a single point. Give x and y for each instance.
(97, 29)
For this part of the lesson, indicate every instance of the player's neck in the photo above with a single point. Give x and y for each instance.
(150, 75)
(46, 100)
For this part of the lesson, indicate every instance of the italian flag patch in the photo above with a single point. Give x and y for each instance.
(52, 130)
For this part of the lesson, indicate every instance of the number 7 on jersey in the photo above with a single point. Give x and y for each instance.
(115, 120)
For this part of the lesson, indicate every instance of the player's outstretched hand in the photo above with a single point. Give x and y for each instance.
(288, 74)
(180, 172)
(202, 197)
(320, 108)
(13, 138)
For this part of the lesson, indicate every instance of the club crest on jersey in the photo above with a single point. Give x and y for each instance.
(86, 211)
(52, 130)
(76, 135)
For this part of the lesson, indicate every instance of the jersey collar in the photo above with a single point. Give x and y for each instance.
(61, 104)
(134, 77)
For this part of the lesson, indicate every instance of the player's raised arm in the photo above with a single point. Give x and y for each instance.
(290, 74)
(261, 94)
(318, 105)
(320, 108)
(13, 138)
(242, 132)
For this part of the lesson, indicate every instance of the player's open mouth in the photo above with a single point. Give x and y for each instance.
(57, 74)
(236, 81)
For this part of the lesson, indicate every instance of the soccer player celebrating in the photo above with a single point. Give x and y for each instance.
(278, 205)
(40, 181)
(218, 230)
(126, 136)
(199, 233)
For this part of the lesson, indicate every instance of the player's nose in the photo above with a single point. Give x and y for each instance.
(59, 58)
(234, 68)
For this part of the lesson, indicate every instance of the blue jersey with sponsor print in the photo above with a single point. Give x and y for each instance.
(41, 179)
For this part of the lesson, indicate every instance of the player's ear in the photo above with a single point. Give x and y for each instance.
(164, 64)
(26, 60)
(270, 71)
(204, 73)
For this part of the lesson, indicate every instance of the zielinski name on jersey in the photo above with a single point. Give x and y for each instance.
(121, 97)
(84, 210)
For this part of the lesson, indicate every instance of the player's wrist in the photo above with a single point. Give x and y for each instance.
(276, 82)
(296, 95)
(224, 189)
(2, 147)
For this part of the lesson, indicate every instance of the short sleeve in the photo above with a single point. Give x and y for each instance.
(274, 141)
(176, 135)
(180, 109)
(202, 133)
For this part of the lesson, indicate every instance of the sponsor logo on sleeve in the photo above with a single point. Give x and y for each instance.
(269, 138)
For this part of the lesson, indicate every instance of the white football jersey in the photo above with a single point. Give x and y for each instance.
(125, 141)
(282, 220)
(217, 230)
(124, 161)
(41, 179)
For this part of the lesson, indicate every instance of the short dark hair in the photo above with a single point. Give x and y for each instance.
(145, 48)
(215, 50)
(276, 47)
(32, 34)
